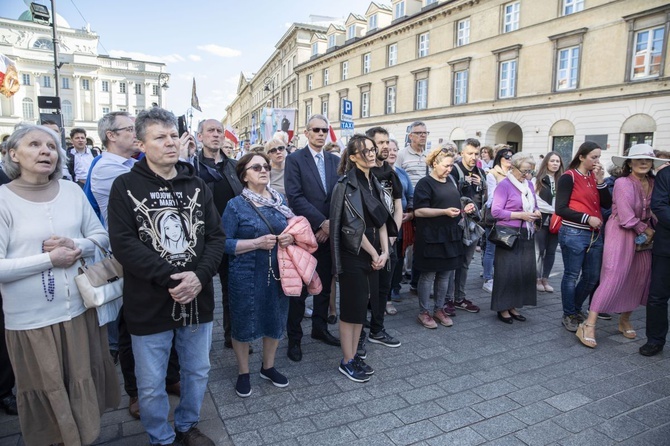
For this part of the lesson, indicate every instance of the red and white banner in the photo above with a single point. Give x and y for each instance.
(9, 77)
(229, 133)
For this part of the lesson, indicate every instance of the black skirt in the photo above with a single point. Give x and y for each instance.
(358, 281)
(514, 275)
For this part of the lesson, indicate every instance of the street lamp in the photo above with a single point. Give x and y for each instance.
(270, 81)
(163, 79)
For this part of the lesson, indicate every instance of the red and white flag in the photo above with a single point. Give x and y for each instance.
(229, 133)
(331, 137)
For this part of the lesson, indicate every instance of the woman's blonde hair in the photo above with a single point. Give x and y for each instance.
(437, 155)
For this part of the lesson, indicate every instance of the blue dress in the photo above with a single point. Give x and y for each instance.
(257, 309)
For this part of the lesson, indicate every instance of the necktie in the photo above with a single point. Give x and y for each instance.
(322, 169)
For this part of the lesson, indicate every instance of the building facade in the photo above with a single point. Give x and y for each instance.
(91, 84)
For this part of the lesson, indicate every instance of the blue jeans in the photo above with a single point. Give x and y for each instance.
(151, 360)
(489, 255)
(113, 333)
(582, 252)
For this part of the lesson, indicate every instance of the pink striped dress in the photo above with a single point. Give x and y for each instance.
(625, 274)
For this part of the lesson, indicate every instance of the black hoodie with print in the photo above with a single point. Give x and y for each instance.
(157, 228)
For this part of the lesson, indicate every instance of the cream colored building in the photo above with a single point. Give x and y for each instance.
(537, 74)
(90, 84)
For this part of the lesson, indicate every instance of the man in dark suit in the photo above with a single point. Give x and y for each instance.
(309, 178)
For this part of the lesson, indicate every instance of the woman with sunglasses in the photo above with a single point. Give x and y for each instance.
(253, 222)
(580, 193)
(501, 165)
(276, 150)
(550, 171)
(360, 228)
(514, 206)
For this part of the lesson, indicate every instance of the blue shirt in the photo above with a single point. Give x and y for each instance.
(103, 175)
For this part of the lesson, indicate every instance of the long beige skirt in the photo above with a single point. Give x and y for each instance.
(65, 379)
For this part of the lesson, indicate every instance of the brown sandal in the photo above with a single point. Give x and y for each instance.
(589, 342)
(627, 333)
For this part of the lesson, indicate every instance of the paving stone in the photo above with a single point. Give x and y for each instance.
(652, 415)
(456, 419)
(535, 413)
(251, 422)
(499, 426)
(461, 437)
(568, 401)
(530, 394)
(332, 436)
(415, 413)
(621, 427)
(337, 417)
(587, 437)
(607, 407)
(286, 430)
(375, 425)
(496, 406)
(303, 409)
(252, 438)
(656, 437)
(412, 433)
(382, 405)
(543, 433)
(495, 389)
(577, 420)
(423, 394)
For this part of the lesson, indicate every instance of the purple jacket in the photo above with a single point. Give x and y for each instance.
(507, 199)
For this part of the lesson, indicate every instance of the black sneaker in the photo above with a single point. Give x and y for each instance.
(360, 351)
(274, 376)
(193, 437)
(353, 372)
(384, 338)
(358, 362)
(243, 386)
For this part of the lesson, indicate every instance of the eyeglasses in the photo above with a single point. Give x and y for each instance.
(421, 133)
(130, 128)
(319, 129)
(276, 149)
(530, 172)
(366, 152)
(259, 167)
(507, 156)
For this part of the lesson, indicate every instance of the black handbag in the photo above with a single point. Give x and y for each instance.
(503, 236)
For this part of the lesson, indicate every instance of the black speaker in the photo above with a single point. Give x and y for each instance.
(50, 102)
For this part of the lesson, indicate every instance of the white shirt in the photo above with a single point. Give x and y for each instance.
(82, 162)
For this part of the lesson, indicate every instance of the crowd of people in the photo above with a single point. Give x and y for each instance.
(277, 227)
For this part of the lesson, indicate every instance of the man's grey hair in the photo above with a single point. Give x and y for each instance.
(12, 168)
(154, 115)
(519, 158)
(472, 142)
(108, 123)
(201, 124)
(416, 124)
(316, 116)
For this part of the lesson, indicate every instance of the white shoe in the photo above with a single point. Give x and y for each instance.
(488, 286)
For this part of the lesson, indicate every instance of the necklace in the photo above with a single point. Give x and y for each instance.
(48, 283)
(183, 315)
(271, 272)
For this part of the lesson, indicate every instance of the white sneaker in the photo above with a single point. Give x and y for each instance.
(488, 286)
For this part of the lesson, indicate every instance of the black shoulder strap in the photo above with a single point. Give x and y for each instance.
(262, 216)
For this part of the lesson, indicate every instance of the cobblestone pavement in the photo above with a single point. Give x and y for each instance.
(478, 382)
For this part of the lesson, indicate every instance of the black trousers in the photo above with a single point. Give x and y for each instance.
(296, 307)
(223, 278)
(378, 300)
(657, 303)
(397, 266)
(127, 361)
(6, 372)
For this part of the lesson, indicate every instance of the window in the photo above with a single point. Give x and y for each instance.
(46, 81)
(325, 77)
(43, 44)
(155, 90)
(25, 79)
(345, 70)
(572, 6)
(563, 146)
(315, 48)
(365, 104)
(366, 63)
(567, 72)
(138, 88)
(430, 2)
(122, 87)
(372, 22)
(332, 39)
(68, 117)
(28, 109)
(511, 22)
(308, 112)
(421, 94)
(463, 32)
(460, 87)
(65, 84)
(648, 55)
(351, 32)
(423, 45)
(105, 110)
(390, 99)
(392, 54)
(399, 9)
(105, 86)
(507, 79)
(324, 107)
(309, 82)
(85, 84)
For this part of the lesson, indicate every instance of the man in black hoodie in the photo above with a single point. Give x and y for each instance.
(166, 232)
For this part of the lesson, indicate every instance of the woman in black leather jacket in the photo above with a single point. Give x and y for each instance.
(359, 228)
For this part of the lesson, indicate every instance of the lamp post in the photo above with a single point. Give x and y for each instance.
(163, 79)
(270, 81)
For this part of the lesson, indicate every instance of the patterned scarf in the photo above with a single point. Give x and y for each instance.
(275, 202)
(527, 199)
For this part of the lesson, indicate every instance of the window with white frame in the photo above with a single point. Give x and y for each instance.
(421, 94)
(68, 114)
(308, 111)
(122, 87)
(332, 40)
(567, 68)
(155, 90)
(309, 82)
(104, 85)
(511, 16)
(105, 110)
(507, 79)
(25, 79)
(138, 88)
(345, 70)
(366, 63)
(325, 77)
(424, 43)
(390, 99)
(372, 22)
(648, 54)
(365, 103)
(430, 2)
(65, 84)
(399, 10)
(324, 107)
(315, 48)
(392, 54)
(463, 32)
(351, 32)
(460, 87)
(46, 81)
(572, 6)
(28, 109)
(85, 84)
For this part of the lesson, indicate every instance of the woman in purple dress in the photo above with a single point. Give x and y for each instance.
(626, 268)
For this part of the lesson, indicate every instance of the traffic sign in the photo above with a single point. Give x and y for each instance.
(347, 118)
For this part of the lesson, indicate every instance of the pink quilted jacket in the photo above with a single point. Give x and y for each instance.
(297, 265)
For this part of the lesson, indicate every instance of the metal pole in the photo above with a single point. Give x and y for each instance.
(55, 43)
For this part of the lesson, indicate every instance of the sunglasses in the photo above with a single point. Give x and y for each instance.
(319, 130)
(507, 156)
(259, 167)
(276, 149)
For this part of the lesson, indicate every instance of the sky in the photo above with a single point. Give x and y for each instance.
(211, 41)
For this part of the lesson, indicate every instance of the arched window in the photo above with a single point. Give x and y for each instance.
(43, 44)
(28, 109)
(68, 116)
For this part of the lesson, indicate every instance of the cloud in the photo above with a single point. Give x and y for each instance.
(194, 57)
(170, 58)
(220, 51)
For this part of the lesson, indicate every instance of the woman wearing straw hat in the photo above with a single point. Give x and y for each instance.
(626, 267)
